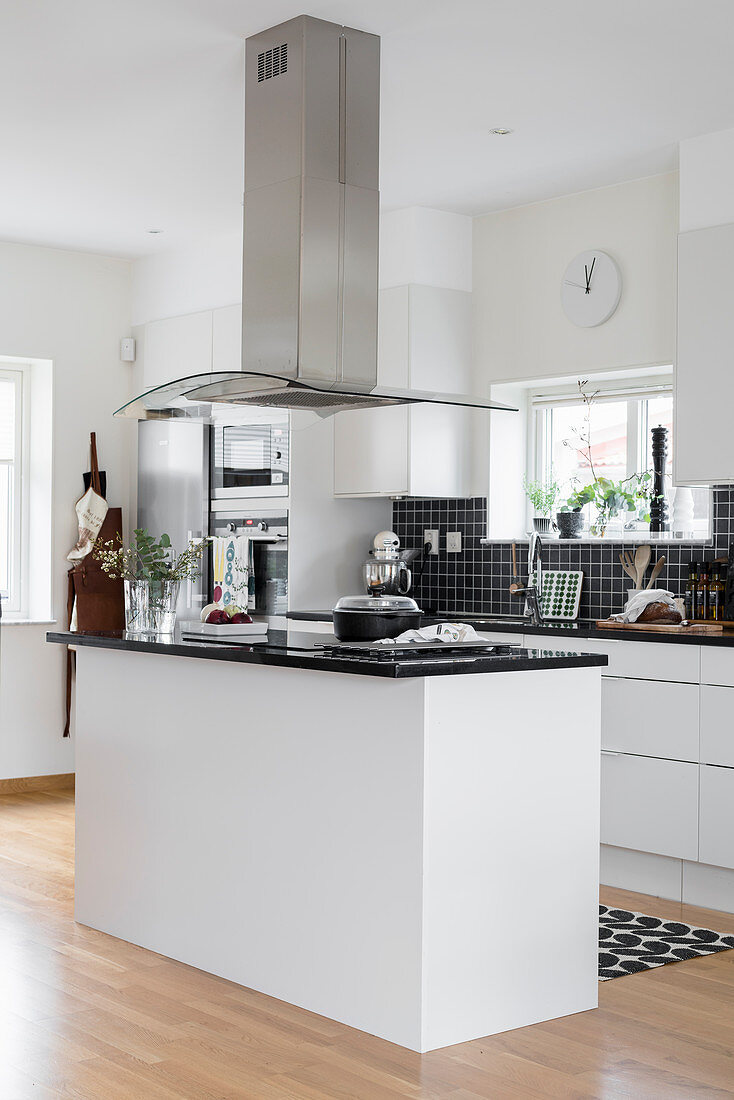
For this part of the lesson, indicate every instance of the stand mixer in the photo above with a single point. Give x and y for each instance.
(386, 571)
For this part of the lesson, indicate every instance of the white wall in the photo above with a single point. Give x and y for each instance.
(71, 308)
(187, 280)
(520, 255)
(707, 180)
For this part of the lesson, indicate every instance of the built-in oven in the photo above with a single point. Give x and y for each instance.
(251, 459)
(264, 536)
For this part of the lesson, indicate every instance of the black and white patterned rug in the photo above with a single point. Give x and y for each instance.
(630, 942)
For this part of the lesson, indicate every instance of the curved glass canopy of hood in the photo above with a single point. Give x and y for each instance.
(209, 397)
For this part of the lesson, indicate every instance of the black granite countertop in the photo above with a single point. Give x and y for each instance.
(292, 649)
(581, 628)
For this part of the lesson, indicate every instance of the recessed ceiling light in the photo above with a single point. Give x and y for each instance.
(155, 231)
(501, 130)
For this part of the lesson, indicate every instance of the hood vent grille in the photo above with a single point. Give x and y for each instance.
(307, 399)
(272, 62)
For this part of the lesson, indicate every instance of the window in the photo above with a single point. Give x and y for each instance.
(618, 426)
(12, 438)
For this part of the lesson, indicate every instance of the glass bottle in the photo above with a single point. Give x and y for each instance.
(690, 593)
(702, 593)
(717, 591)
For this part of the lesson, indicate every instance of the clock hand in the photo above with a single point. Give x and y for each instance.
(588, 275)
(568, 282)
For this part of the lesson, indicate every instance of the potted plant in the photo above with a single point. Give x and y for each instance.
(152, 572)
(609, 498)
(570, 519)
(543, 498)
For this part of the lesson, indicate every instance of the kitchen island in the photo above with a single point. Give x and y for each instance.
(412, 854)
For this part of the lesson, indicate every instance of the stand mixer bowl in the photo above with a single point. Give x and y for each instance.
(386, 574)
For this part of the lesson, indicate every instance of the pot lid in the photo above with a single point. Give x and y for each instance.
(376, 603)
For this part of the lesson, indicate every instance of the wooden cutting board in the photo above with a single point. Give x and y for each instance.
(662, 628)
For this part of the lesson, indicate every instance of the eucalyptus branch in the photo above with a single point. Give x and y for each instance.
(146, 558)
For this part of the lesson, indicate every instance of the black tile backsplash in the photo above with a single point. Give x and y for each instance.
(478, 578)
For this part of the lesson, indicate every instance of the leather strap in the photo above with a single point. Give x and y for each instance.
(70, 654)
(95, 482)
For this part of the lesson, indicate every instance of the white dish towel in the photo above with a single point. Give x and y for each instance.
(441, 632)
(231, 570)
(636, 604)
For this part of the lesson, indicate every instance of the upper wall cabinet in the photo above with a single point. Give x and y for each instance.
(704, 376)
(195, 343)
(424, 343)
(176, 347)
(227, 338)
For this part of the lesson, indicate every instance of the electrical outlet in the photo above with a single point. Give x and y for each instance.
(432, 537)
(453, 542)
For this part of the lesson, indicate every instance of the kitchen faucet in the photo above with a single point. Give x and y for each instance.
(534, 592)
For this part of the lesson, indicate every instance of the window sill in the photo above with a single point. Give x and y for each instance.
(7, 620)
(589, 540)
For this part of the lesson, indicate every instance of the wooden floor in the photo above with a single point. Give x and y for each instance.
(86, 1015)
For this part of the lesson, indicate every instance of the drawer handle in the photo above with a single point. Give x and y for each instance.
(608, 752)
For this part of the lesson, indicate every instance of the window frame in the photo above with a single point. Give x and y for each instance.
(539, 459)
(14, 601)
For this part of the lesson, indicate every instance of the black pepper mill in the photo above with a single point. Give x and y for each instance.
(659, 519)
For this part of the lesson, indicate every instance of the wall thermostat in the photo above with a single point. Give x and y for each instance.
(127, 349)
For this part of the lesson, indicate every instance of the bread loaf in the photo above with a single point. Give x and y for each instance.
(659, 612)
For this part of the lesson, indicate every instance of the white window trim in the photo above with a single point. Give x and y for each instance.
(634, 390)
(15, 603)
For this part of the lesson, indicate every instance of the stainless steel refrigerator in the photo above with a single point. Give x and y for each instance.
(173, 492)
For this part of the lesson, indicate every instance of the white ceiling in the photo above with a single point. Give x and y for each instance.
(123, 117)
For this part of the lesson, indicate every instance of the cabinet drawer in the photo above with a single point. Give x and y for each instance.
(717, 816)
(717, 728)
(650, 718)
(640, 660)
(655, 661)
(717, 666)
(650, 805)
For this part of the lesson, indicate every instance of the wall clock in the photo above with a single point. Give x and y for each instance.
(590, 290)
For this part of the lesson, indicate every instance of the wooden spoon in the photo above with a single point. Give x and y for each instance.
(642, 560)
(516, 586)
(656, 572)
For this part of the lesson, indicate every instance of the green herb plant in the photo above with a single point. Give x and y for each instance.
(543, 497)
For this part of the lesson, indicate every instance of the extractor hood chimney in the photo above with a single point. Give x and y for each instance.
(311, 233)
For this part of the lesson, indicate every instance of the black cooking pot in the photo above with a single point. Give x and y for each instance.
(367, 618)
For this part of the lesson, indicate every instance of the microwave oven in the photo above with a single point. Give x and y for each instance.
(251, 459)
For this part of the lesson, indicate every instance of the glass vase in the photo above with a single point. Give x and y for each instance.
(150, 606)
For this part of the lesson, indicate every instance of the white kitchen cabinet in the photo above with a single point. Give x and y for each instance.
(650, 805)
(704, 375)
(227, 338)
(717, 665)
(635, 660)
(716, 845)
(368, 461)
(424, 343)
(717, 727)
(650, 718)
(176, 347)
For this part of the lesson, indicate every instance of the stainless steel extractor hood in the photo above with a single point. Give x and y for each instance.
(311, 233)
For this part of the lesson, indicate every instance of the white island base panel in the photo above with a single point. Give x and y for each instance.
(417, 858)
